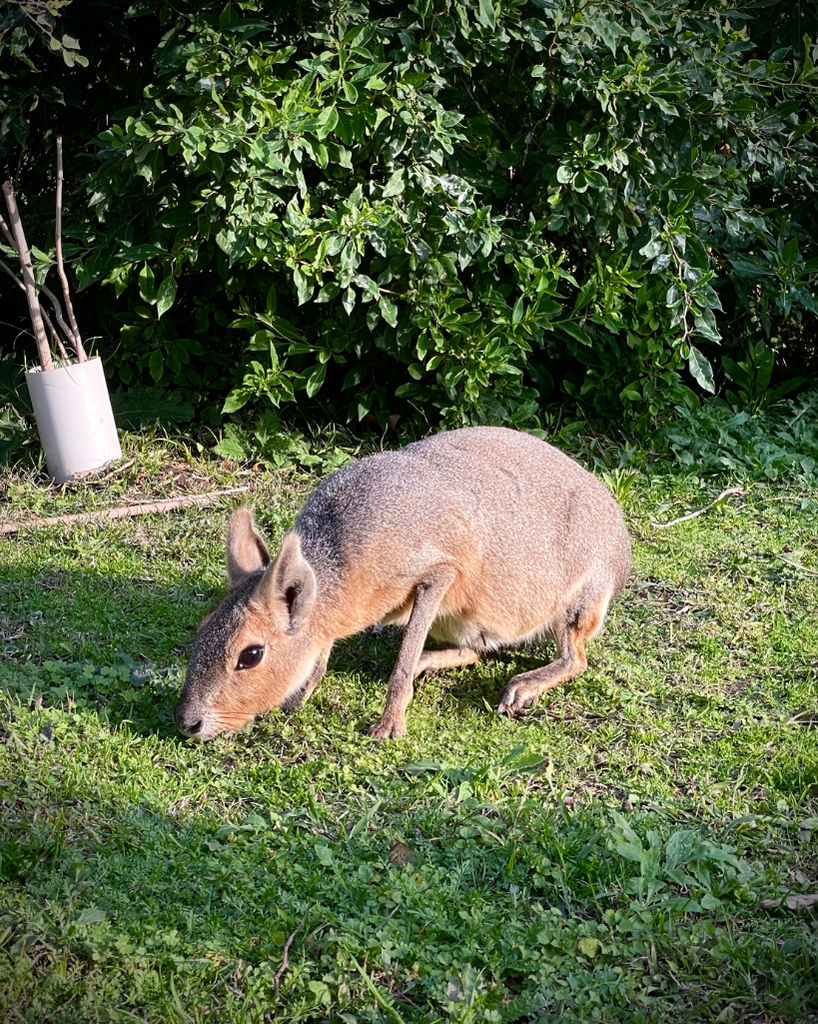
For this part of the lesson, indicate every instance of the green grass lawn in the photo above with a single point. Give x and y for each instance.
(603, 858)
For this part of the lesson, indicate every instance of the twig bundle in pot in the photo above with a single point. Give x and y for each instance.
(70, 398)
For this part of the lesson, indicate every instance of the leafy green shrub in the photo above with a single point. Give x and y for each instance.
(775, 444)
(463, 208)
(27, 28)
(752, 377)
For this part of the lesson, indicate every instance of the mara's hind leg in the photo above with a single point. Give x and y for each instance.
(452, 657)
(582, 621)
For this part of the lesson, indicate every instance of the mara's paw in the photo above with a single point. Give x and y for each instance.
(388, 728)
(516, 697)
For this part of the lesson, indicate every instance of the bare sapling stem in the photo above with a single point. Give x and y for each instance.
(55, 305)
(54, 335)
(9, 236)
(28, 278)
(77, 340)
(44, 290)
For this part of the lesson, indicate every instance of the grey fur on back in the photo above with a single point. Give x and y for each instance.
(536, 514)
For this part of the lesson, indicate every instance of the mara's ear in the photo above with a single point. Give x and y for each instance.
(289, 580)
(246, 552)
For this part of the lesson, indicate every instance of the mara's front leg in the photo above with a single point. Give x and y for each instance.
(429, 592)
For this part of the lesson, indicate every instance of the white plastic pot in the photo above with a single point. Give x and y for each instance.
(74, 418)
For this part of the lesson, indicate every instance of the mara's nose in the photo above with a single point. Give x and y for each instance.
(186, 724)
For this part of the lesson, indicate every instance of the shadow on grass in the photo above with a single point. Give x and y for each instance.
(114, 644)
(374, 653)
(109, 905)
(177, 902)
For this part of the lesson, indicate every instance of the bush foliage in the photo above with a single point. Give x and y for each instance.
(466, 209)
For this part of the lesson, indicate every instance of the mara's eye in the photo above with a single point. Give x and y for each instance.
(250, 657)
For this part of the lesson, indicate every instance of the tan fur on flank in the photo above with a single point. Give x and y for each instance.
(479, 538)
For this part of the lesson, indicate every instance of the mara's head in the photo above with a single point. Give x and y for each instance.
(257, 650)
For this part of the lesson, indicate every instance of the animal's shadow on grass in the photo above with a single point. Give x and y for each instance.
(374, 652)
(114, 644)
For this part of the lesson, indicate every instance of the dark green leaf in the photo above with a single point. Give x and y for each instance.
(389, 310)
(156, 365)
(575, 332)
(165, 296)
(315, 379)
(701, 369)
(147, 284)
(394, 187)
(485, 13)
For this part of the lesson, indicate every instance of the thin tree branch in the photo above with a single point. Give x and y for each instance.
(9, 236)
(52, 298)
(55, 337)
(75, 331)
(795, 901)
(143, 508)
(28, 278)
(796, 565)
(57, 311)
(69, 336)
